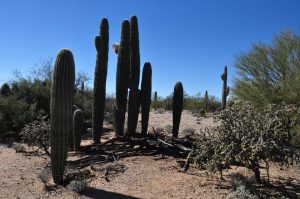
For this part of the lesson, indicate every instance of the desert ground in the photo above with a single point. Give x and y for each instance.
(138, 176)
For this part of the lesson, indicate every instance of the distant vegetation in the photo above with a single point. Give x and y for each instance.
(270, 73)
(27, 98)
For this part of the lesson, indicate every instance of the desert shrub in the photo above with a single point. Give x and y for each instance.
(168, 128)
(77, 185)
(160, 110)
(188, 132)
(15, 113)
(157, 103)
(33, 92)
(44, 174)
(5, 90)
(196, 103)
(84, 101)
(19, 147)
(157, 130)
(237, 179)
(247, 136)
(37, 133)
(110, 102)
(241, 192)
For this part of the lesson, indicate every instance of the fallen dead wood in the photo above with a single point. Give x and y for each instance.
(124, 146)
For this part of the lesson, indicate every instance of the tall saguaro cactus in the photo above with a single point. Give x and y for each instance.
(177, 107)
(101, 44)
(134, 93)
(206, 101)
(146, 89)
(62, 93)
(122, 78)
(226, 89)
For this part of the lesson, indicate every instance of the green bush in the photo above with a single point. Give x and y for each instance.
(15, 113)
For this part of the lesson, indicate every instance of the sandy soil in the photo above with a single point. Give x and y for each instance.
(139, 177)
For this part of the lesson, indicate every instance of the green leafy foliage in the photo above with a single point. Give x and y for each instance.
(26, 98)
(15, 113)
(270, 73)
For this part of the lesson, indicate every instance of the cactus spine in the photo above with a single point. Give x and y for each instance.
(77, 128)
(146, 88)
(122, 78)
(101, 44)
(177, 107)
(226, 89)
(134, 93)
(62, 93)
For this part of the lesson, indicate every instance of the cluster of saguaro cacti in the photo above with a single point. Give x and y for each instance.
(134, 93)
(101, 44)
(146, 89)
(62, 93)
(122, 78)
(226, 89)
(77, 128)
(177, 107)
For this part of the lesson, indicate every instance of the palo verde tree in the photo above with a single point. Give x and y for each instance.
(270, 73)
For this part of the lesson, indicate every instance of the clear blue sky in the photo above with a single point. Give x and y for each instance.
(187, 40)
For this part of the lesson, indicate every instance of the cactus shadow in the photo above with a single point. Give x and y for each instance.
(94, 193)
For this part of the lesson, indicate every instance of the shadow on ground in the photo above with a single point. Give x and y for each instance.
(97, 193)
(285, 187)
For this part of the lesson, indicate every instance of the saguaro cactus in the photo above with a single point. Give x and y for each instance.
(77, 128)
(101, 44)
(206, 101)
(155, 96)
(82, 87)
(134, 93)
(146, 89)
(226, 89)
(62, 93)
(122, 78)
(177, 107)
